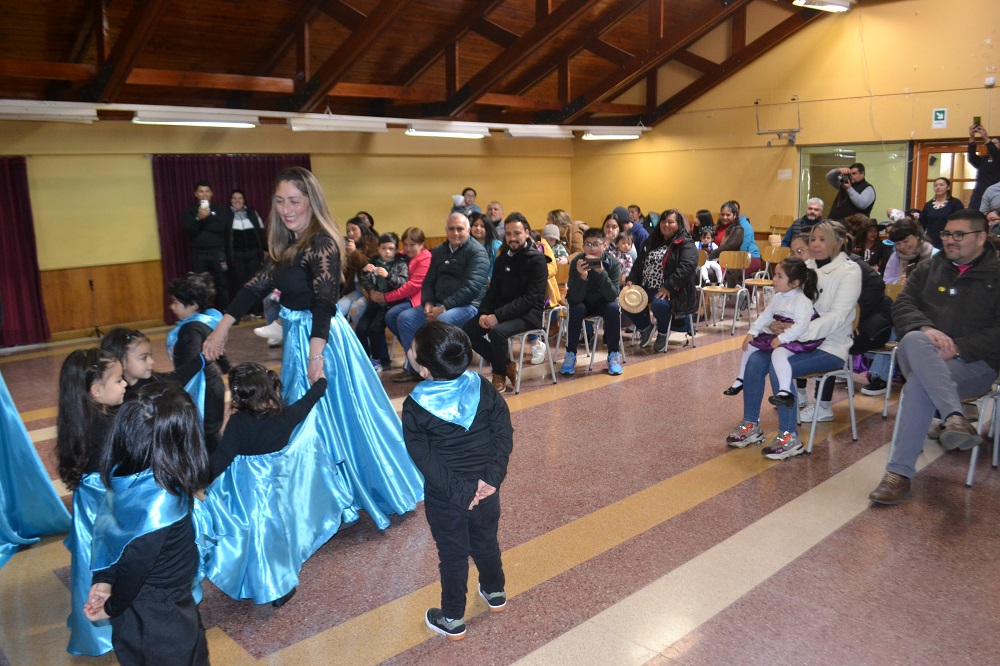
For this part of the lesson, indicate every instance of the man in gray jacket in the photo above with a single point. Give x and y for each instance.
(452, 290)
(948, 317)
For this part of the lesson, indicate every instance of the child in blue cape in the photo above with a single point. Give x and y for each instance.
(457, 430)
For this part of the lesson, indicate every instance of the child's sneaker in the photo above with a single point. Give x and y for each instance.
(538, 350)
(453, 629)
(745, 434)
(569, 364)
(497, 601)
(614, 363)
(376, 365)
(785, 445)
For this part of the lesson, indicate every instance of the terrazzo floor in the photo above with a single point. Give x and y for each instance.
(631, 534)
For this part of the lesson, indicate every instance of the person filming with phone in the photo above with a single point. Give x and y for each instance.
(667, 269)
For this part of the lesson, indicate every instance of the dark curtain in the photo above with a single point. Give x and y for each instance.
(174, 179)
(22, 311)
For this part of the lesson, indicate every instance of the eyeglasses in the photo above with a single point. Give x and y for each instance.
(958, 235)
(593, 244)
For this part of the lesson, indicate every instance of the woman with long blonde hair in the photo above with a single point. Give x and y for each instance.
(353, 439)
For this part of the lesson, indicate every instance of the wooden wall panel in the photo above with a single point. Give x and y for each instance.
(123, 293)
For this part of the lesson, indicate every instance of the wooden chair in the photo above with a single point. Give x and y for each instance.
(730, 260)
(761, 281)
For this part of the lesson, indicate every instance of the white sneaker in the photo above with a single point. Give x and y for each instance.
(803, 399)
(806, 413)
(538, 350)
(270, 332)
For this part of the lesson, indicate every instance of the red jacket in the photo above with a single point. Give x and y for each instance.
(418, 269)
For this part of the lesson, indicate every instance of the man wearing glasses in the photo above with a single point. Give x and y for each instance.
(949, 318)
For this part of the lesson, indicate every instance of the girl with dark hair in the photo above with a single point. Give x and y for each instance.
(794, 293)
(488, 236)
(667, 269)
(255, 454)
(91, 388)
(145, 556)
(354, 430)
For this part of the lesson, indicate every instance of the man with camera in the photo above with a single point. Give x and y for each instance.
(594, 277)
(513, 302)
(208, 225)
(856, 194)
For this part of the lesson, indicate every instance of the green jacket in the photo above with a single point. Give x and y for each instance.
(600, 287)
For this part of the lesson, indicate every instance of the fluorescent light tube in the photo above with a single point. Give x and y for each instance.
(612, 134)
(538, 132)
(825, 5)
(337, 124)
(449, 134)
(196, 118)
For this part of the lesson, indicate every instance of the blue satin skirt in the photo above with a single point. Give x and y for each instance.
(273, 511)
(29, 505)
(86, 637)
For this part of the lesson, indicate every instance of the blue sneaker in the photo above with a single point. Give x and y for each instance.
(614, 363)
(569, 364)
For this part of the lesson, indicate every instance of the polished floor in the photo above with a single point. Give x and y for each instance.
(631, 535)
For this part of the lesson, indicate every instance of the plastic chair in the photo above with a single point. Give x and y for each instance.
(993, 396)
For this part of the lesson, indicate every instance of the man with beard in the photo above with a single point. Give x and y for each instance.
(803, 225)
(513, 302)
(856, 194)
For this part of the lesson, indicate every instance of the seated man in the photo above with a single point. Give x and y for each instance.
(593, 290)
(513, 302)
(949, 318)
(454, 285)
(803, 225)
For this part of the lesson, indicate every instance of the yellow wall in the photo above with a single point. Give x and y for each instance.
(92, 189)
(710, 152)
(91, 186)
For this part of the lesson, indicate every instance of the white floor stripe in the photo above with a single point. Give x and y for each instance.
(649, 621)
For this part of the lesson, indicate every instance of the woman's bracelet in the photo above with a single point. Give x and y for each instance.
(318, 357)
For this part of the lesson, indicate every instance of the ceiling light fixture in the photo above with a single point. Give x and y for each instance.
(448, 130)
(332, 123)
(825, 5)
(196, 118)
(47, 111)
(612, 133)
(538, 132)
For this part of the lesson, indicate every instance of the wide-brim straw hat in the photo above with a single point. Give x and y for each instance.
(633, 299)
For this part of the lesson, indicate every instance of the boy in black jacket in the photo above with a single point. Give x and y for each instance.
(457, 430)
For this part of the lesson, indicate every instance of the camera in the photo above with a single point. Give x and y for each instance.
(593, 262)
(845, 180)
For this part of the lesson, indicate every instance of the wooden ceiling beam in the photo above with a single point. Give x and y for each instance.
(738, 31)
(733, 64)
(542, 9)
(495, 33)
(278, 52)
(601, 24)
(135, 32)
(657, 14)
(642, 63)
(342, 13)
(612, 54)
(355, 46)
(500, 67)
(694, 61)
(185, 79)
(424, 60)
(38, 69)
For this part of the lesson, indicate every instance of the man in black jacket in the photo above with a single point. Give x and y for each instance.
(513, 302)
(948, 317)
(207, 225)
(452, 289)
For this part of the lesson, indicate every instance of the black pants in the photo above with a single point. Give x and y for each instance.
(214, 262)
(244, 266)
(459, 533)
(371, 331)
(612, 314)
(491, 344)
(162, 626)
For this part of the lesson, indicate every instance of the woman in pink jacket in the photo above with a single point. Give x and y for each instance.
(409, 293)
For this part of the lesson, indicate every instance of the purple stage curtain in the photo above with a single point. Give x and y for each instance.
(174, 179)
(23, 310)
